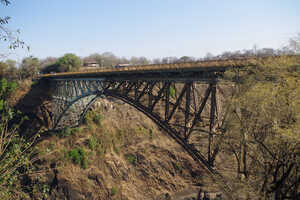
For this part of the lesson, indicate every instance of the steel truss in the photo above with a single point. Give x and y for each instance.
(186, 109)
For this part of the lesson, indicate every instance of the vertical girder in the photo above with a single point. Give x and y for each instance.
(142, 93)
(197, 117)
(167, 100)
(187, 107)
(178, 101)
(159, 95)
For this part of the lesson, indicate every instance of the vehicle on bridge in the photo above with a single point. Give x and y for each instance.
(121, 65)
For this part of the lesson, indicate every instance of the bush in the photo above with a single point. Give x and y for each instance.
(14, 150)
(95, 144)
(69, 62)
(92, 142)
(172, 92)
(88, 117)
(92, 116)
(178, 166)
(132, 159)
(79, 157)
(67, 132)
(114, 191)
(97, 118)
(261, 130)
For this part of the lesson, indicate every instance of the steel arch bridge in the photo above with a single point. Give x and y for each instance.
(184, 99)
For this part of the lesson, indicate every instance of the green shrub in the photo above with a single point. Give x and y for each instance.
(92, 116)
(92, 142)
(67, 132)
(15, 151)
(75, 130)
(75, 156)
(178, 166)
(114, 191)
(95, 144)
(44, 189)
(88, 117)
(79, 157)
(172, 92)
(132, 159)
(116, 149)
(97, 118)
(68, 62)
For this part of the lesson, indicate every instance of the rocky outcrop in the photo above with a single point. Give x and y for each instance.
(141, 163)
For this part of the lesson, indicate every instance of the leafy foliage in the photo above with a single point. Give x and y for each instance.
(69, 62)
(97, 118)
(79, 157)
(66, 132)
(114, 191)
(7, 35)
(132, 159)
(14, 150)
(92, 116)
(29, 67)
(172, 92)
(9, 70)
(92, 142)
(262, 129)
(294, 44)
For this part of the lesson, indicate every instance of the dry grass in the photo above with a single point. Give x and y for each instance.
(157, 165)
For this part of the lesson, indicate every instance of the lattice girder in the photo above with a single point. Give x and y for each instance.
(186, 109)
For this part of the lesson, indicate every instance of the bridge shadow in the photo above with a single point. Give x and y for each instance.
(36, 107)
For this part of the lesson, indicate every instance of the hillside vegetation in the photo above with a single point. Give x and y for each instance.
(262, 130)
(118, 153)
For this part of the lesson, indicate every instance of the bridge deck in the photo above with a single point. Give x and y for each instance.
(166, 69)
(212, 65)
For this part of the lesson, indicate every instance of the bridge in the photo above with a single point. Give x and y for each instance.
(184, 99)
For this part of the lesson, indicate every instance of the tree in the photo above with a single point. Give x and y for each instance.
(156, 61)
(294, 44)
(109, 59)
(69, 62)
(134, 60)
(186, 59)
(14, 150)
(8, 36)
(3, 69)
(123, 60)
(12, 71)
(208, 56)
(29, 67)
(262, 130)
(266, 52)
(8, 70)
(167, 60)
(47, 62)
(143, 61)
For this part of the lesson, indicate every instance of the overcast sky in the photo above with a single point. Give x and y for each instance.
(151, 28)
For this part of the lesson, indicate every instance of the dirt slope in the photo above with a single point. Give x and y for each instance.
(126, 156)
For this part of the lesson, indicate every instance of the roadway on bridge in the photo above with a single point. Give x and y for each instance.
(187, 67)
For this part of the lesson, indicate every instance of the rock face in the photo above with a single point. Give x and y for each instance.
(34, 101)
(137, 161)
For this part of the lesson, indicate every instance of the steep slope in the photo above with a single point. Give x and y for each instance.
(117, 154)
